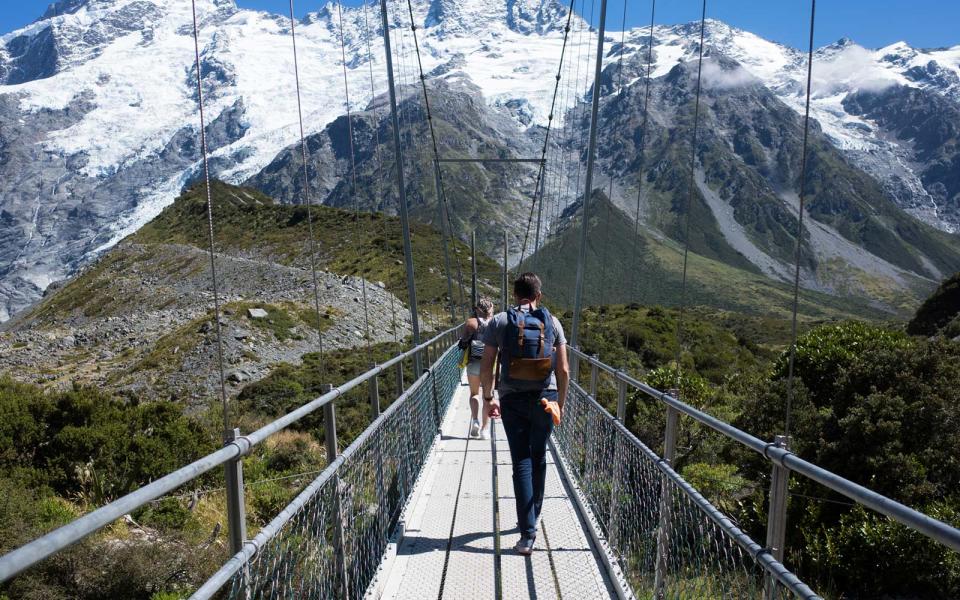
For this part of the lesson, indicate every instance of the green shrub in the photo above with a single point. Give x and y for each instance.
(86, 442)
(881, 409)
(166, 514)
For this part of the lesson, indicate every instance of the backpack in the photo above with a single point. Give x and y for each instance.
(528, 353)
(476, 342)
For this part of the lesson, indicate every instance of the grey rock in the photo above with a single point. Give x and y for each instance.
(256, 313)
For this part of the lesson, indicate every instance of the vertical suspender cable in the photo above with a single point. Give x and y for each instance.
(643, 148)
(586, 89)
(401, 190)
(353, 173)
(538, 187)
(591, 151)
(693, 161)
(213, 260)
(306, 196)
(573, 85)
(381, 203)
(803, 182)
(437, 173)
(606, 238)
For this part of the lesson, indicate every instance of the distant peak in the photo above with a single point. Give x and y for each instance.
(69, 7)
(65, 7)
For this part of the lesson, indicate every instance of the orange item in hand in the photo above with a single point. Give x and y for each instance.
(549, 406)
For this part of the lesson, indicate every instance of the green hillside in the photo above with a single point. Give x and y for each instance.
(365, 244)
(612, 276)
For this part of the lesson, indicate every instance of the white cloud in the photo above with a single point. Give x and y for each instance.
(850, 69)
(716, 77)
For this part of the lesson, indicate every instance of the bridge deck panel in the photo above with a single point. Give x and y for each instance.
(449, 550)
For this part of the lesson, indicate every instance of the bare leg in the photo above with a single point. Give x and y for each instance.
(486, 417)
(474, 381)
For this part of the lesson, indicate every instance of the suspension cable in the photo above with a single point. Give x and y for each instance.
(213, 260)
(312, 245)
(690, 181)
(353, 174)
(803, 185)
(546, 138)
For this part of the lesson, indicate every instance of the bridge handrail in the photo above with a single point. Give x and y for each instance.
(935, 529)
(760, 554)
(252, 546)
(43, 547)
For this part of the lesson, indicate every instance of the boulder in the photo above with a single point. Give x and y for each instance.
(256, 313)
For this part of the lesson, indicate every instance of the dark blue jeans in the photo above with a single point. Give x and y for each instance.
(528, 428)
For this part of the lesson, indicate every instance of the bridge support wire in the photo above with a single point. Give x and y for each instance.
(689, 205)
(591, 152)
(401, 186)
(444, 234)
(541, 172)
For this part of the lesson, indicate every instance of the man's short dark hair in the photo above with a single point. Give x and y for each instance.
(527, 286)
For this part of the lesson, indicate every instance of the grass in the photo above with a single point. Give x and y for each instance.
(365, 244)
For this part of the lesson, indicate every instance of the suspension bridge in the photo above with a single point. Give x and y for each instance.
(415, 508)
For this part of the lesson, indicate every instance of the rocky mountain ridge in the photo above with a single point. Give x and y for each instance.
(99, 123)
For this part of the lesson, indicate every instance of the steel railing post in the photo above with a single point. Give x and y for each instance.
(574, 365)
(374, 390)
(436, 399)
(236, 511)
(777, 516)
(666, 504)
(329, 425)
(399, 376)
(330, 438)
(612, 525)
(594, 375)
(621, 399)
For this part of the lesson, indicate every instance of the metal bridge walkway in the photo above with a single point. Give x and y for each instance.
(451, 548)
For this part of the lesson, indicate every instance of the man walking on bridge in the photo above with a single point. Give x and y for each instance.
(533, 386)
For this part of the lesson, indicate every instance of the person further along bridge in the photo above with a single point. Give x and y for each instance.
(533, 386)
(472, 344)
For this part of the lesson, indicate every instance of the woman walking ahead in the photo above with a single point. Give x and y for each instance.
(472, 343)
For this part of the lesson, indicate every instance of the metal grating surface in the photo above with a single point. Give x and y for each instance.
(456, 495)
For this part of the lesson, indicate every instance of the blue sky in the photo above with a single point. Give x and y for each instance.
(872, 23)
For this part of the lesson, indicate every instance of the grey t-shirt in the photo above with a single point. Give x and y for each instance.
(493, 336)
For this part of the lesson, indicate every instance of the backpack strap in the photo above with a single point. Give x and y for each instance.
(542, 345)
(521, 324)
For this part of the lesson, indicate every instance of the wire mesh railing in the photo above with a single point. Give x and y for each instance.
(669, 540)
(329, 542)
(365, 488)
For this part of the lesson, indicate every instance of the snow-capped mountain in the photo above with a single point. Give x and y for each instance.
(842, 71)
(99, 119)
